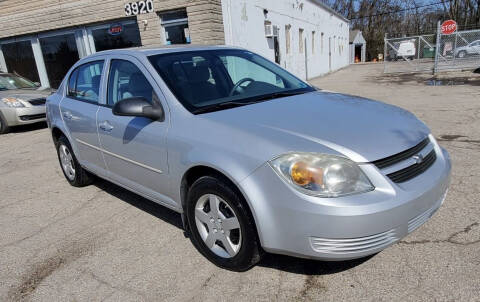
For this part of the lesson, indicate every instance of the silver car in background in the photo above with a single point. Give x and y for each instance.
(253, 158)
(21, 102)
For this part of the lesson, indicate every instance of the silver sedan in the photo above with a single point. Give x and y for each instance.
(254, 159)
(21, 102)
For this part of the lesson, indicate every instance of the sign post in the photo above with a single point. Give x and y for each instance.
(437, 49)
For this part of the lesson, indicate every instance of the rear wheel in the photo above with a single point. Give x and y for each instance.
(462, 54)
(4, 128)
(74, 173)
(221, 226)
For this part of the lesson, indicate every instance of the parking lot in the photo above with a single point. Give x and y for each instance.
(104, 243)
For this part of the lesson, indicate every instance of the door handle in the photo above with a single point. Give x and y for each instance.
(68, 115)
(106, 126)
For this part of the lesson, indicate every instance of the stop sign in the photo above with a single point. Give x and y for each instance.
(449, 27)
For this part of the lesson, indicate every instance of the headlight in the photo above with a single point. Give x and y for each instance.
(321, 175)
(13, 102)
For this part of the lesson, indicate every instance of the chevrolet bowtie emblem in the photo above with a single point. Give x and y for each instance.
(418, 158)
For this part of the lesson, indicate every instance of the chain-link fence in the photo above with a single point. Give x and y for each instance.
(457, 51)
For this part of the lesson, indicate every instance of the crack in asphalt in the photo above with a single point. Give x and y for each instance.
(42, 270)
(41, 229)
(311, 283)
(450, 239)
(457, 138)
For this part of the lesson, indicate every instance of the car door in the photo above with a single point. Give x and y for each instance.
(79, 110)
(134, 148)
(476, 47)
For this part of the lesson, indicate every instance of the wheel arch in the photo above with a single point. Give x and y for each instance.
(197, 171)
(56, 134)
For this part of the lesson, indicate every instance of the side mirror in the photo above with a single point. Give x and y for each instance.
(140, 107)
(37, 84)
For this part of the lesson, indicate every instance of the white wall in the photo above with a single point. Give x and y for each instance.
(244, 27)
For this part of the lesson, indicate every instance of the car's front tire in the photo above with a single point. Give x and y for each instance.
(221, 226)
(4, 128)
(74, 173)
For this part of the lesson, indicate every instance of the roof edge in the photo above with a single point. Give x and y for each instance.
(331, 10)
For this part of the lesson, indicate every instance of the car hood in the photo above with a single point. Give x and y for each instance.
(359, 128)
(26, 94)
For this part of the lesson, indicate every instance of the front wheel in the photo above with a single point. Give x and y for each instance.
(221, 226)
(74, 173)
(4, 128)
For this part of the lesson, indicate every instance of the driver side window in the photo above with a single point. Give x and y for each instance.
(126, 81)
(239, 68)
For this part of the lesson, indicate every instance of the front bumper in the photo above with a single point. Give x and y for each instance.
(24, 115)
(349, 227)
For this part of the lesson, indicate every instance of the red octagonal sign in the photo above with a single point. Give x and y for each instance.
(449, 27)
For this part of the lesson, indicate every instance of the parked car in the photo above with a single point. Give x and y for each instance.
(469, 50)
(21, 101)
(403, 50)
(253, 158)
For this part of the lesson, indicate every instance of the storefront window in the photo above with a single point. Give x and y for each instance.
(59, 53)
(20, 60)
(116, 36)
(175, 24)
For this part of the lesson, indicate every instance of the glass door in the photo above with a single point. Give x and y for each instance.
(19, 59)
(60, 51)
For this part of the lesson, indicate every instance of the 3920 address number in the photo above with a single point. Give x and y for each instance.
(139, 7)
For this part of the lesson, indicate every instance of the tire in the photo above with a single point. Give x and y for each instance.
(78, 177)
(232, 205)
(4, 128)
(462, 54)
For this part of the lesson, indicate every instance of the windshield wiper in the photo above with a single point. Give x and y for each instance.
(233, 104)
(219, 106)
(277, 95)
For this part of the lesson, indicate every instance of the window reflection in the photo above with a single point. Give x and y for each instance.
(128, 37)
(20, 60)
(59, 53)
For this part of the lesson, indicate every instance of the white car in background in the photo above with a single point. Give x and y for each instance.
(468, 50)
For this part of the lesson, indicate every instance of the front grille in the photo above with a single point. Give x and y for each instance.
(391, 160)
(38, 102)
(354, 245)
(33, 117)
(413, 170)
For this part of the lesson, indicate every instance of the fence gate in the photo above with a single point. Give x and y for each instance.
(460, 50)
(409, 54)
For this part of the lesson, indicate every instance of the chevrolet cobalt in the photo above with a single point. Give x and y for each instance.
(253, 158)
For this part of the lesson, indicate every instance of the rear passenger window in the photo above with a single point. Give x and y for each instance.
(125, 81)
(84, 83)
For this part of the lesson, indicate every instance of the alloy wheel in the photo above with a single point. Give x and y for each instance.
(66, 160)
(218, 226)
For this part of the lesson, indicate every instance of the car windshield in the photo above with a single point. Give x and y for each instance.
(11, 81)
(211, 80)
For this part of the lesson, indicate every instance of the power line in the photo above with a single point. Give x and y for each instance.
(400, 10)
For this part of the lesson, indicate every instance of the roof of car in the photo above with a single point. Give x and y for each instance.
(148, 51)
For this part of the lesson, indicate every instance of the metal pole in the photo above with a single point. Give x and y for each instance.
(385, 53)
(437, 50)
(455, 47)
(306, 59)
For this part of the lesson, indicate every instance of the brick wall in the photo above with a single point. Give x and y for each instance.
(22, 17)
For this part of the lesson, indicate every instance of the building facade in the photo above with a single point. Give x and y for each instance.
(42, 39)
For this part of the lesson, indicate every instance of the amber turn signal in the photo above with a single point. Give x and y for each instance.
(302, 174)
